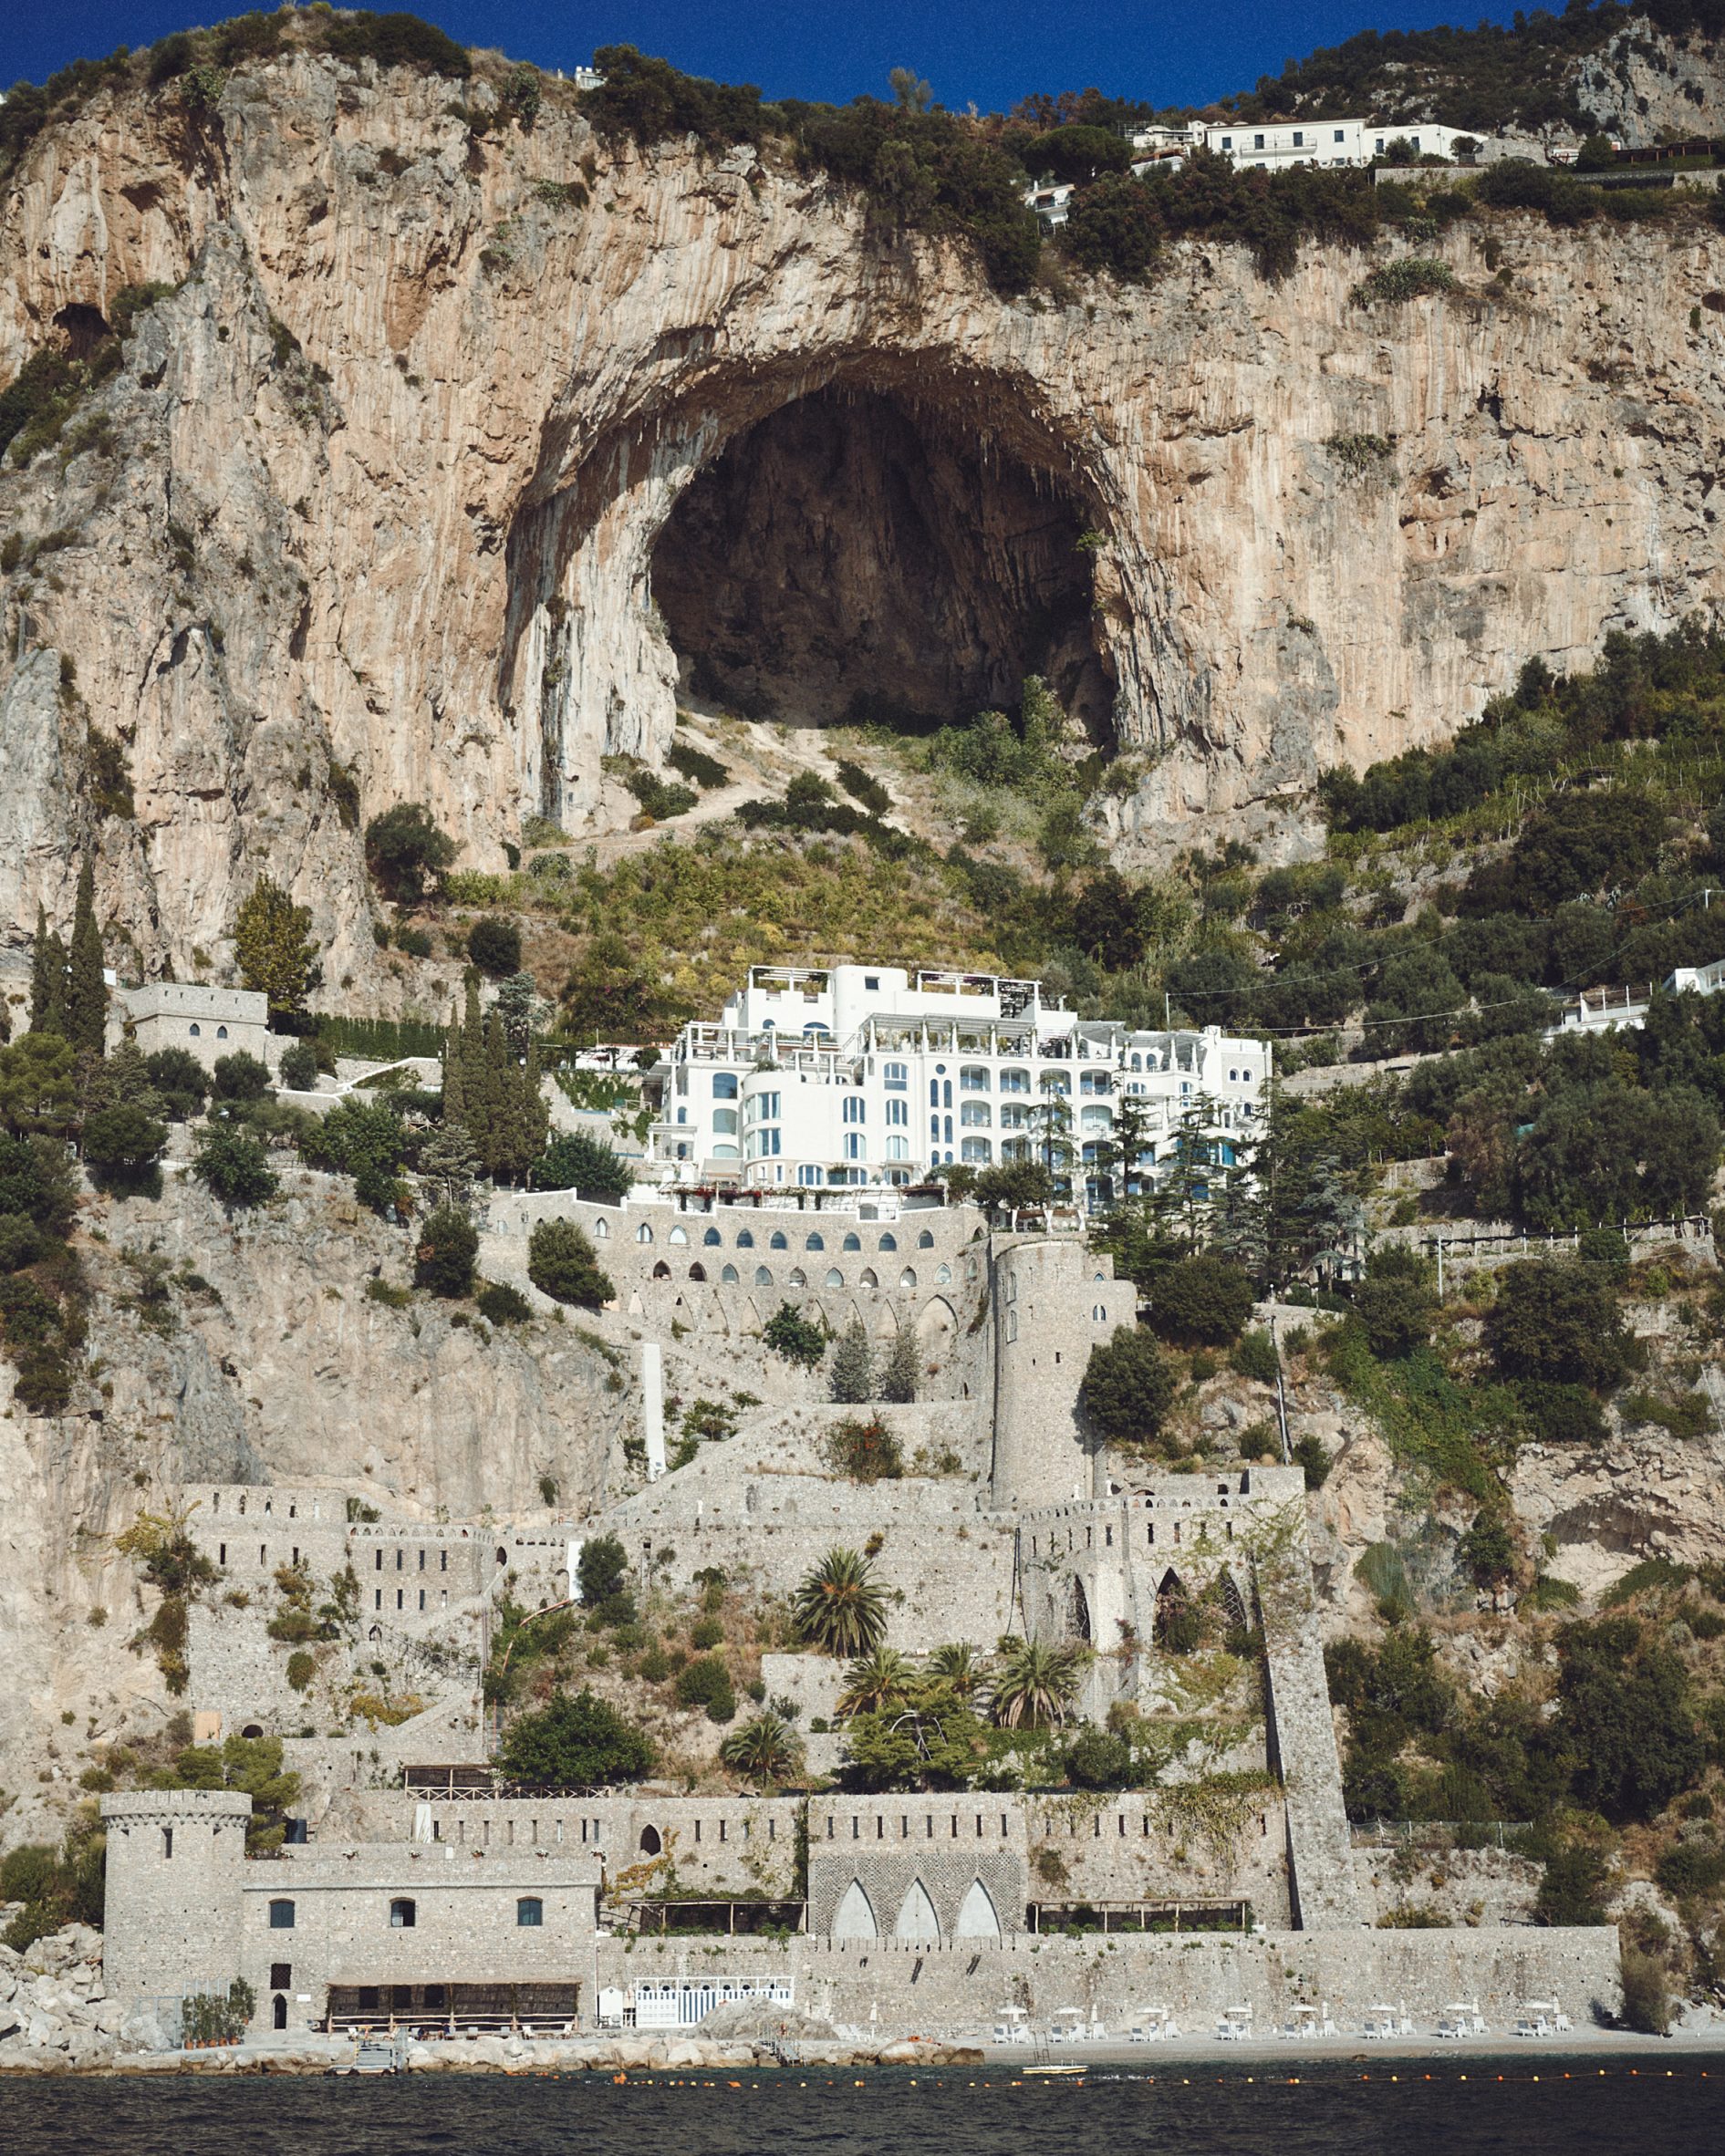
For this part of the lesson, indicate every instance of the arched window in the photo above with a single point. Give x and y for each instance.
(712, 1237)
(746, 1241)
(973, 1078)
(679, 1234)
(697, 1272)
(797, 1278)
(602, 1229)
(651, 1845)
(979, 1152)
(978, 1116)
(502, 1555)
(851, 1242)
(1014, 1082)
(925, 1241)
(724, 1085)
(281, 1916)
(815, 1242)
(196, 1031)
(1055, 1083)
(778, 1240)
(530, 1911)
(279, 2013)
(763, 1277)
(403, 1914)
(221, 1032)
(724, 1122)
(1099, 1312)
(835, 1278)
(869, 1279)
(888, 1242)
(728, 1278)
(943, 1274)
(908, 1278)
(662, 1271)
(643, 1234)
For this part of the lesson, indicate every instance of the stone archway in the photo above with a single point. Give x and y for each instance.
(855, 1916)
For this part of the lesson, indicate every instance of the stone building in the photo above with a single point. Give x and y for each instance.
(208, 1023)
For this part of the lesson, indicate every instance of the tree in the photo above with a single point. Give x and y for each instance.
(788, 1333)
(403, 846)
(1625, 1715)
(561, 1263)
(1015, 1186)
(874, 1682)
(234, 1166)
(1129, 1387)
(928, 1738)
(957, 1665)
(765, 1750)
(1487, 1549)
(270, 942)
(37, 1183)
(450, 1157)
(47, 978)
(517, 1009)
(575, 1743)
(839, 1609)
(493, 945)
(122, 1145)
(38, 1084)
(86, 991)
(1556, 1321)
(1099, 1759)
(910, 92)
(448, 1247)
(576, 1161)
(180, 1080)
(852, 1375)
(601, 1573)
(241, 1076)
(1394, 1304)
(298, 1067)
(367, 1141)
(1202, 1300)
(897, 1380)
(1035, 1685)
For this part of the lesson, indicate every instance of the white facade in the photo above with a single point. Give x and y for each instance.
(1274, 145)
(208, 1022)
(853, 1075)
(1425, 137)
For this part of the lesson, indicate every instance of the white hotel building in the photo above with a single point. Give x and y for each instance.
(851, 1075)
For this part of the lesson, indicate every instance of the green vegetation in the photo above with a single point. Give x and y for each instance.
(838, 1610)
(448, 1247)
(404, 847)
(271, 944)
(234, 1167)
(574, 1160)
(1129, 1387)
(788, 1333)
(577, 1742)
(561, 1263)
(54, 1887)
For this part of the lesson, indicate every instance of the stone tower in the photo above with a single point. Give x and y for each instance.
(1053, 1301)
(175, 1864)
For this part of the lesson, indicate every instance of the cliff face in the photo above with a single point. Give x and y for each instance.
(1645, 87)
(381, 485)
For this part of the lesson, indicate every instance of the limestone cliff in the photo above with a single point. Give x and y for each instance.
(1646, 87)
(380, 488)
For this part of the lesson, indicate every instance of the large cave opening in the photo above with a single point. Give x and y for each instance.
(859, 555)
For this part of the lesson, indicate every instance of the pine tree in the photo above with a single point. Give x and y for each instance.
(852, 1376)
(86, 992)
(449, 1158)
(897, 1379)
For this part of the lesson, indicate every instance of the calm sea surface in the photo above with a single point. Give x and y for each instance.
(1569, 2109)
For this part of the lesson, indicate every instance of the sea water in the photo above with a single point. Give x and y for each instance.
(1553, 2107)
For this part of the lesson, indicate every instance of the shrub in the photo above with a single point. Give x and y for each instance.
(1129, 1387)
(1394, 1304)
(706, 1682)
(1647, 1999)
(1099, 1759)
(493, 945)
(1255, 1357)
(1556, 1321)
(234, 1166)
(851, 1378)
(240, 1077)
(866, 1452)
(1573, 1888)
(788, 1333)
(212, 2017)
(298, 1068)
(397, 40)
(301, 1669)
(1691, 1871)
(1310, 1455)
(1410, 278)
(602, 1570)
(658, 798)
(561, 1263)
(20, 1242)
(584, 1165)
(577, 1742)
(122, 1145)
(180, 1080)
(700, 770)
(447, 1248)
(1202, 1300)
(500, 1305)
(1561, 1414)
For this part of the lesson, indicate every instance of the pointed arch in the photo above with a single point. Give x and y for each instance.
(936, 1325)
(855, 1916)
(697, 1271)
(1233, 1603)
(908, 1278)
(1080, 1609)
(662, 1271)
(977, 1918)
(917, 1918)
(869, 1279)
(887, 1323)
(728, 1276)
(797, 1278)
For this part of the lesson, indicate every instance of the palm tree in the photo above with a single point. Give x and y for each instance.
(838, 1608)
(1035, 1685)
(875, 1682)
(958, 1667)
(765, 1750)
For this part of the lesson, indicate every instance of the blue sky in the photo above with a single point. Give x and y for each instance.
(986, 52)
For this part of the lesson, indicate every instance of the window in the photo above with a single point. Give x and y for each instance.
(853, 1145)
(1227, 141)
(973, 1078)
(810, 1175)
(643, 1234)
(530, 1911)
(888, 1242)
(1054, 1083)
(835, 1278)
(763, 1277)
(976, 1115)
(1299, 140)
(1096, 1082)
(196, 1031)
(167, 1841)
(1014, 1082)
(728, 1278)
(724, 1085)
(1095, 1119)
(402, 1914)
(1014, 1115)
(1257, 142)
(979, 1152)
(281, 1975)
(851, 1242)
(761, 1107)
(762, 1144)
(925, 1241)
(776, 1240)
(712, 1237)
(897, 1114)
(856, 1109)
(281, 1916)
(898, 1077)
(871, 980)
(1339, 137)
(897, 1148)
(724, 1122)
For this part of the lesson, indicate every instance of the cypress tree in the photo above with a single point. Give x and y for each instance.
(497, 1144)
(454, 1077)
(86, 992)
(44, 978)
(852, 1376)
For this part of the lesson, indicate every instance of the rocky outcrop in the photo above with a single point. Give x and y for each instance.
(54, 2013)
(382, 488)
(1645, 87)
